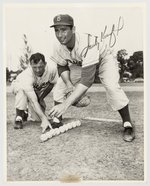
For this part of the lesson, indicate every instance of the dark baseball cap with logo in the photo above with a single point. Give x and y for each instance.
(63, 20)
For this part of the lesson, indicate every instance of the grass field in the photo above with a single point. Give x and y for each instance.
(94, 151)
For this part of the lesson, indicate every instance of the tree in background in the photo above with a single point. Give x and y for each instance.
(135, 64)
(123, 63)
(24, 59)
(132, 67)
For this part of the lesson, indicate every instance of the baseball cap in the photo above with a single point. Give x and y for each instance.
(63, 20)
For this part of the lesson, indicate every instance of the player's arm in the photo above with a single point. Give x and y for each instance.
(62, 65)
(64, 72)
(37, 108)
(45, 90)
(87, 79)
(34, 102)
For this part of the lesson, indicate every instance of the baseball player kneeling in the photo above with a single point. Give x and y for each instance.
(31, 87)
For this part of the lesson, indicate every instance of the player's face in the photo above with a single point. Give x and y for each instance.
(39, 68)
(64, 34)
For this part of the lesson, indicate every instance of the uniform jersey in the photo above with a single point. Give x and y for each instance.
(27, 80)
(87, 51)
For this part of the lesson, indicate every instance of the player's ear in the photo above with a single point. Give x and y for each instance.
(73, 29)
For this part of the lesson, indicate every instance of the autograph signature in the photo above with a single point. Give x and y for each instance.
(98, 40)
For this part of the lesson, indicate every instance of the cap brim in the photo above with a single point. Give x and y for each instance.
(61, 24)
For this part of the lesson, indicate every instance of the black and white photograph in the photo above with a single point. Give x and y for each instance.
(75, 82)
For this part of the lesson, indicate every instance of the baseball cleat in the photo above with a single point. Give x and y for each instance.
(18, 123)
(56, 120)
(128, 134)
(25, 116)
(56, 123)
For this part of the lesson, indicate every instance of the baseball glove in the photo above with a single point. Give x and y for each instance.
(82, 102)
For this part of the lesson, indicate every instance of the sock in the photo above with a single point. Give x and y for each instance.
(18, 118)
(127, 124)
(19, 113)
(125, 115)
(22, 113)
(56, 120)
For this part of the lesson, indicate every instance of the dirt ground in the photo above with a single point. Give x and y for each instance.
(95, 151)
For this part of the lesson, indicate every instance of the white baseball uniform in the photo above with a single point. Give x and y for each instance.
(27, 81)
(82, 61)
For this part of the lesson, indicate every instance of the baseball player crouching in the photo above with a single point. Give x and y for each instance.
(31, 87)
(80, 54)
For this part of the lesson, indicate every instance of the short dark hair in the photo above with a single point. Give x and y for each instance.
(37, 57)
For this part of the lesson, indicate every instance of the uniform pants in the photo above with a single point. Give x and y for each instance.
(22, 102)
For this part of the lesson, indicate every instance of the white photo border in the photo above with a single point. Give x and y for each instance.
(3, 95)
